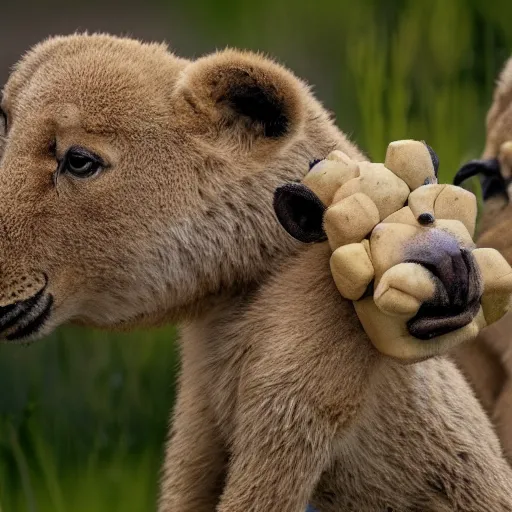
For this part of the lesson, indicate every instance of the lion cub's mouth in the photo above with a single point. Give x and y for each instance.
(24, 318)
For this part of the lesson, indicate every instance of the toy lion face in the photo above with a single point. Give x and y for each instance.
(402, 246)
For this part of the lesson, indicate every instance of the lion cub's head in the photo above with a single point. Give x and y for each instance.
(133, 184)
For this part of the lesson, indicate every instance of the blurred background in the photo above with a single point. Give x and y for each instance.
(83, 414)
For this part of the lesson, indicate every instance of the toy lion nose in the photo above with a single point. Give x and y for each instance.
(457, 281)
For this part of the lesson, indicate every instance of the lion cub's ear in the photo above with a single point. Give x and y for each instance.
(243, 96)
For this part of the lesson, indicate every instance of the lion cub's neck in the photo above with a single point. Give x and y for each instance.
(215, 312)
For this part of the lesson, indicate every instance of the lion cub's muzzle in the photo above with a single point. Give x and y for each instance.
(457, 282)
(25, 305)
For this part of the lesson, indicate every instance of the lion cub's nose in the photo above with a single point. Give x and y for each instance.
(425, 219)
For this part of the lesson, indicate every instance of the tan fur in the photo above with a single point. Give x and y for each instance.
(282, 398)
(499, 133)
(487, 362)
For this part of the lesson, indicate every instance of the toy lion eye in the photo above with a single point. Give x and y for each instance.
(80, 163)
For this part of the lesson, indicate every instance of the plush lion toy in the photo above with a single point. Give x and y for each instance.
(402, 248)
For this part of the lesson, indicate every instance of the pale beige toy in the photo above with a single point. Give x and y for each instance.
(402, 248)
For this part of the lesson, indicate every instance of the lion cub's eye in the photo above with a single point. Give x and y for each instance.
(80, 163)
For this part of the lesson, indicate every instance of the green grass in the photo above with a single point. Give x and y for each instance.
(83, 414)
(119, 481)
(83, 420)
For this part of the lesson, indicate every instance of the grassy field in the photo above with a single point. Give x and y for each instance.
(83, 414)
(83, 419)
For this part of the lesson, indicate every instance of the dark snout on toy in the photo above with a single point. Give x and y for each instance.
(457, 283)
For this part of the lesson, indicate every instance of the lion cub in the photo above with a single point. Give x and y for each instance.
(488, 361)
(136, 187)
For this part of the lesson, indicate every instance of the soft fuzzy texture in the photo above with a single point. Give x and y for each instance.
(282, 398)
(487, 363)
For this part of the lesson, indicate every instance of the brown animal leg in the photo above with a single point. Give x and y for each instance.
(194, 465)
(502, 418)
(279, 454)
